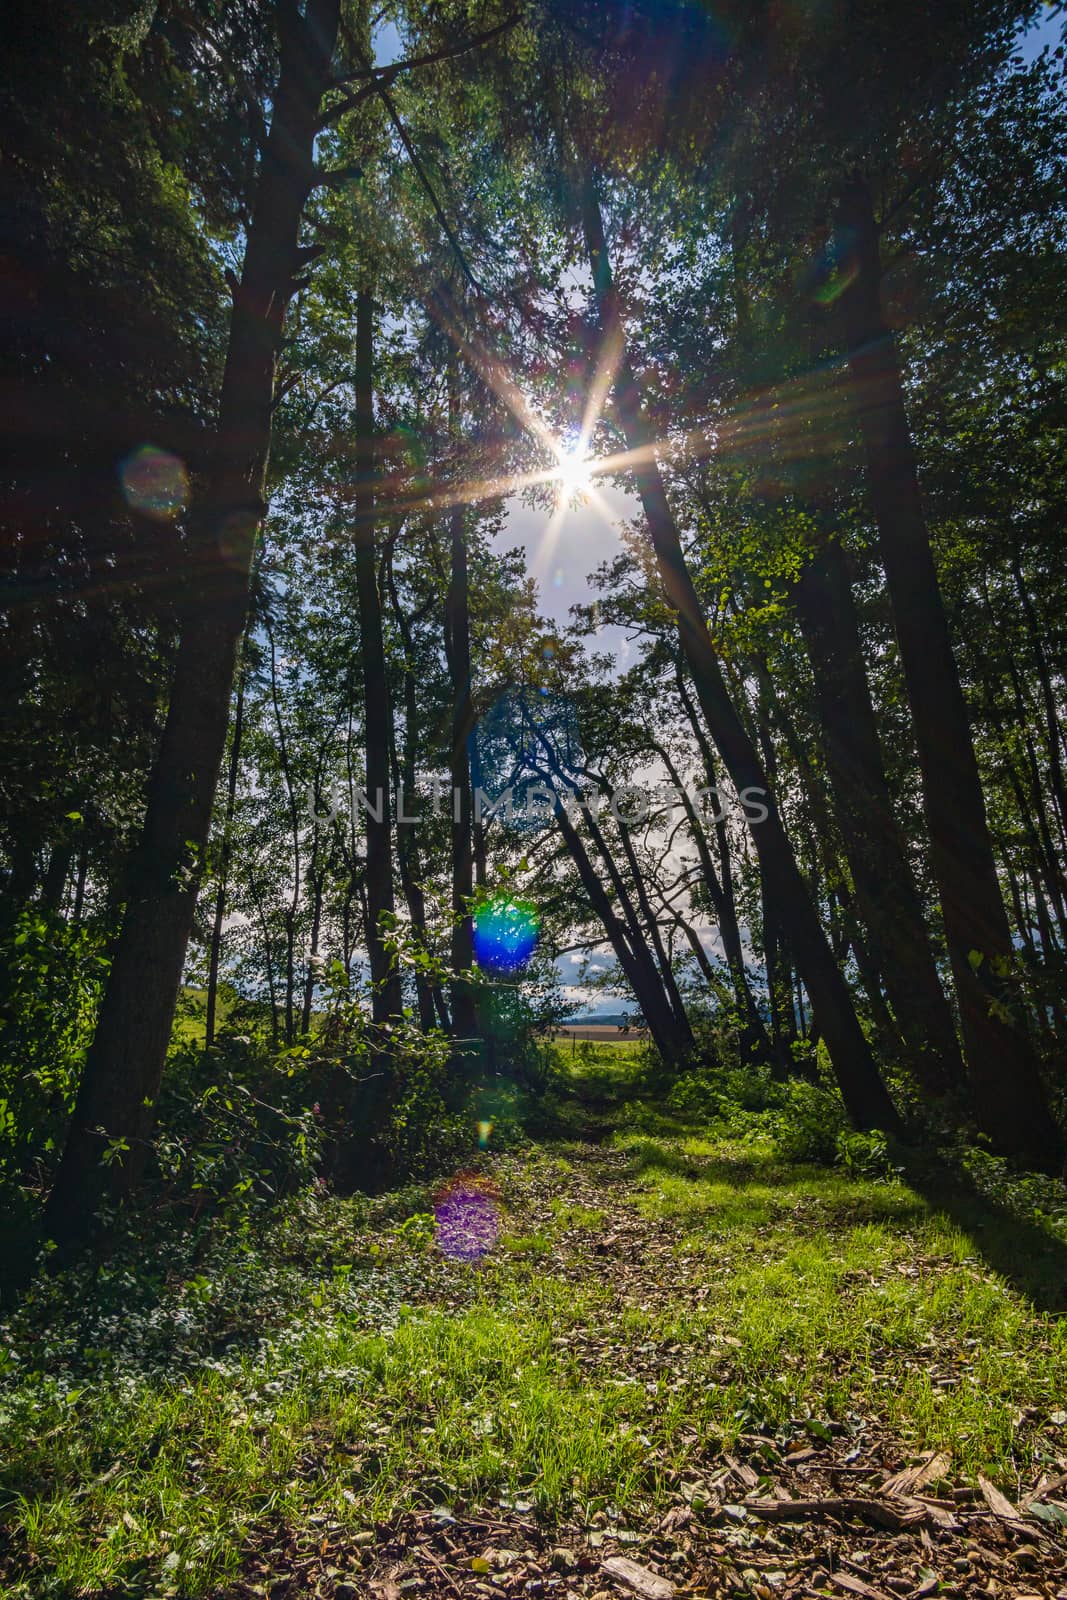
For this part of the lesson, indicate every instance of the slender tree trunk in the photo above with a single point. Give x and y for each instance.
(224, 864)
(755, 1042)
(428, 995)
(636, 966)
(387, 999)
(55, 877)
(317, 880)
(1053, 726)
(458, 651)
(886, 896)
(124, 1067)
(1044, 869)
(1009, 1097)
(644, 931)
(293, 907)
(862, 1089)
(268, 958)
(79, 886)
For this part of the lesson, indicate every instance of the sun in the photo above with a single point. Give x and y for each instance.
(574, 474)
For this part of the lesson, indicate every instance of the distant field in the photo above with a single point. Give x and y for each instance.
(603, 1032)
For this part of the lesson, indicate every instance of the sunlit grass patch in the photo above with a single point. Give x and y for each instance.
(447, 1406)
(844, 1296)
(338, 1368)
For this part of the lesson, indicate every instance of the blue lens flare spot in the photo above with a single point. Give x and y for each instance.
(505, 934)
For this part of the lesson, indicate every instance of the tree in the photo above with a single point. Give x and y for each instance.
(1008, 1093)
(114, 1110)
(862, 1089)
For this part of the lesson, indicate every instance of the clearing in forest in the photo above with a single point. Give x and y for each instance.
(659, 1364)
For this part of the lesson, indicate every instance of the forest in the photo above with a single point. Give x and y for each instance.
(533, 799)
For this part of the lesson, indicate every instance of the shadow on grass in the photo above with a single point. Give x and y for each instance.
(1025, 1254)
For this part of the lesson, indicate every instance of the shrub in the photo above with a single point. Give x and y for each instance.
(866, 1155)
(810, 1121)
(52, 976)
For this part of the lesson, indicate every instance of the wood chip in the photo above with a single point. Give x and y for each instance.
(851, 1585)
(1045, 1486)
(639, 1580)
(998, 1503)
(888, 1514)
(743, 1473)
(933, 1465)
(939, 1514)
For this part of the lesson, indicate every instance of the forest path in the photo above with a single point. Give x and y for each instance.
(670, 1339)
(660, 1363)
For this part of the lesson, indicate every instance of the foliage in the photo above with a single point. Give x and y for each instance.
(52, 973)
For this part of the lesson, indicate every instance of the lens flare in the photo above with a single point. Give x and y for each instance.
(154, 482)
(505, 933)
(466, 1220)
(484, 1131)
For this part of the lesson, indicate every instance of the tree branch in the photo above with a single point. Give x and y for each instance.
(375, 78)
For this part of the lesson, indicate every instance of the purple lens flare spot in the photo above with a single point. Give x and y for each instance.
(467, 1221)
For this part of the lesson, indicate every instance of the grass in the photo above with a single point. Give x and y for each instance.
(851, 1296)
(328, 1364)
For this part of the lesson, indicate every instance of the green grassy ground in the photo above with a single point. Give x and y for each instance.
(648, 1304)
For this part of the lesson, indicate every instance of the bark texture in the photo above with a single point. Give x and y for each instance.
(1009, 1097)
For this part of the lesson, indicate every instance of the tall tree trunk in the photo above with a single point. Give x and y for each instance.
(316, 879)
(1053, 726)
(643, 932)
(862, 1089)
(224, 864)
(293, 907)
(755, 1041)
(120, 1082)
(386, 995)
(428, 994)
(268, 958)
(886, 894)
(55, 877)
(79, 885)
(458, 652)
(1009, 1097)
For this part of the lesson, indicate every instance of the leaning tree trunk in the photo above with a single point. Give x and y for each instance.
(756, 1044)
(862, 1089)
(647, 949)
(386, 995)
(753, 1037)
(1009, 1097)
(109, 1136)
(634, 960)
(886, 894)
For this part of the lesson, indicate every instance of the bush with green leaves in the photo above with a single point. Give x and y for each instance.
(235, 1125)
(722, 1091)
(52, 973)
(810, 1120)
(866, 1155)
